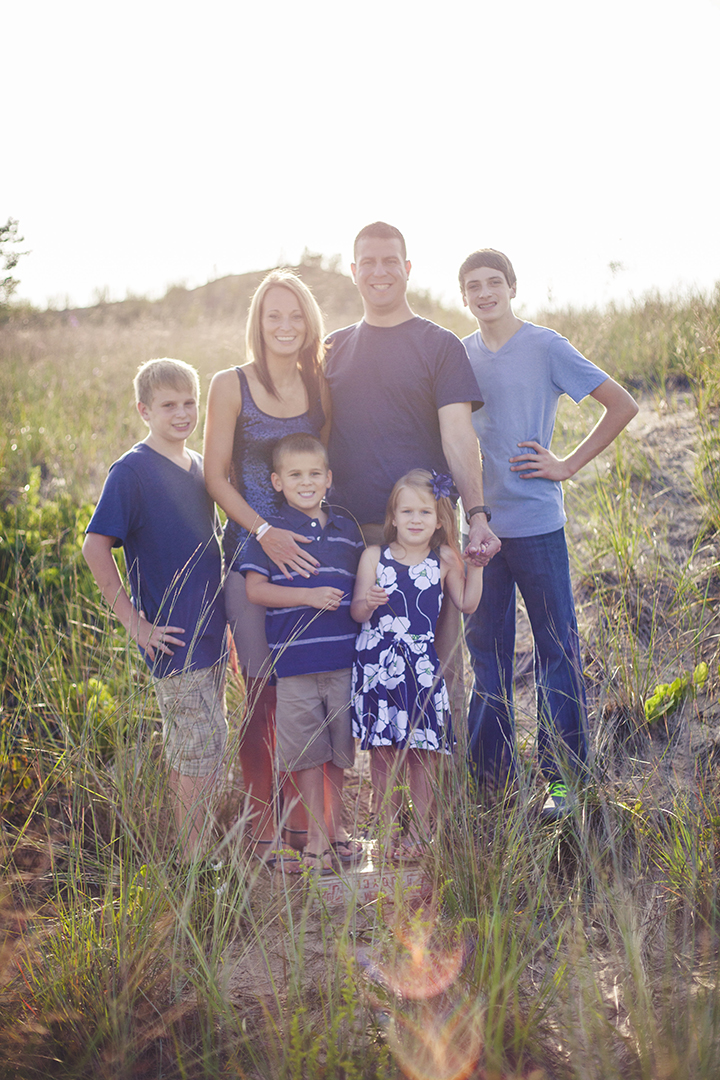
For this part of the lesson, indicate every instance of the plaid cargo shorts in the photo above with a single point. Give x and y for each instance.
(192, 706)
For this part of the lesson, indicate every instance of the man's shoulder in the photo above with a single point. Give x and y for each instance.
(336, 336)
(417, 326)
(440, 346)
(433, 329)
(428, 335)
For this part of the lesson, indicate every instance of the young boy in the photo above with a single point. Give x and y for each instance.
(312, 638)
(522, 371)
(154, 505)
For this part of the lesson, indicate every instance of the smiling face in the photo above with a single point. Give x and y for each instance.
(304, 478)
(487, 294)
(381, 274)
(282, 323)
(172, 415)
(415, 517)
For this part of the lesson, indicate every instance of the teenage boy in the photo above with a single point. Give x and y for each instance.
(402, 396)
(522, 371)
(154, 505)
(312, 639)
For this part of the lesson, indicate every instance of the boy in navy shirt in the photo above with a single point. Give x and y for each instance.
(312, 638)
(155, 506)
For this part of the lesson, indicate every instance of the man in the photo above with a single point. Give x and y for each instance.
(402, 397)
(522, 371)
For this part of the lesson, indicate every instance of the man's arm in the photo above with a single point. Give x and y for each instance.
(97, 550)
(542, 464)
(462, 451)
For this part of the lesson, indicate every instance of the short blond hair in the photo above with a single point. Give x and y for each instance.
(297, 442)
(164, 372)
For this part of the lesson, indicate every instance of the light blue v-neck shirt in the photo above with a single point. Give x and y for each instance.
(521, 385)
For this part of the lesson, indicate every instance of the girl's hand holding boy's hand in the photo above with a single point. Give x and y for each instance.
(325, 598)
(376, 596)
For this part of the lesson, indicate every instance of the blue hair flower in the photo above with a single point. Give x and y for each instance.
(442, 485)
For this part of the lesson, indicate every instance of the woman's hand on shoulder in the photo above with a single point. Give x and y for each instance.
(282, 546)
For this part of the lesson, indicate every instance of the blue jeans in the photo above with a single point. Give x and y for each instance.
(539, 567)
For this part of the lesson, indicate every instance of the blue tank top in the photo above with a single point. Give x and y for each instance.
(256, 433)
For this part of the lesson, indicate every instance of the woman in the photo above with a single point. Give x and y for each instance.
(279, 390)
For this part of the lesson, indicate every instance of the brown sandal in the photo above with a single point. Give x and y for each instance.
(348, 851)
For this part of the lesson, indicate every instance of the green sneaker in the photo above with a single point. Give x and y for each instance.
(558, 803)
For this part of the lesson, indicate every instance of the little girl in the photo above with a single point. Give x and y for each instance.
(400, 703)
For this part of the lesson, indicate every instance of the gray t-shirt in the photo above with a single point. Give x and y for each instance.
(521, 385)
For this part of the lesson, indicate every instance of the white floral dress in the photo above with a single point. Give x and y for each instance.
(399, 697)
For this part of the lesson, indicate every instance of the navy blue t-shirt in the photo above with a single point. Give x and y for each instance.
(164, 519)
(387, 384)
(304, 640)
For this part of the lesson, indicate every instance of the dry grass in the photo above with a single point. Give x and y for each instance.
(586, 951)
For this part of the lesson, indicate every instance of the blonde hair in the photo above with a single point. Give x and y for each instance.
(313, 350)
(164, 372)
(422, 480)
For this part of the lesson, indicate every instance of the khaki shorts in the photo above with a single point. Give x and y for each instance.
(313, 721)
(192, 706)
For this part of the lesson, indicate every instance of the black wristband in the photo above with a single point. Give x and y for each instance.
(478, 510)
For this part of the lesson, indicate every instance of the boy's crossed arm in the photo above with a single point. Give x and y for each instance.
(264, 592)
(97, 550)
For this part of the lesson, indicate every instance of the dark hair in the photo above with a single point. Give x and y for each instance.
(422, 480)
(487, 257)
(380, 230)
(300, 442)
(313, 350)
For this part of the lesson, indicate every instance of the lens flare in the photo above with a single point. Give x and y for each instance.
(428, 1046)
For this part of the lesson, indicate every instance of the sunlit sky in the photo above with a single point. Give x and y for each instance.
(155, 142)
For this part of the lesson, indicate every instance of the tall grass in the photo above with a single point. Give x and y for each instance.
(587, 950)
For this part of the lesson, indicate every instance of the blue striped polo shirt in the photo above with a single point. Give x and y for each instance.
(304, 640)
